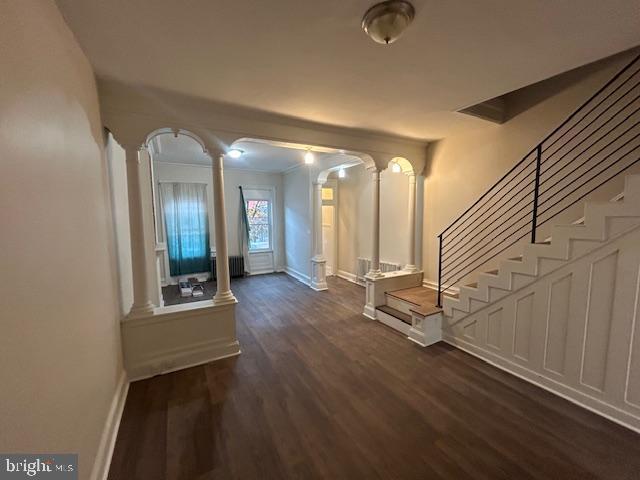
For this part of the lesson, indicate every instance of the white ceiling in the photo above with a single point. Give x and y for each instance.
(310, 59)
(257, 156)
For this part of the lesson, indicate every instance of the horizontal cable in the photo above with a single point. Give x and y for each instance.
(592, 157)
(590, 99)
(487, 192)
(497, 201)
(583, 184)
(596, 106)
(592, 133)
(477, 265)
(502, 232)
(468, 247)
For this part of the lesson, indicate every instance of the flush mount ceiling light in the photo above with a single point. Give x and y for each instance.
(308, 157)
(385, 22)
(235, 153)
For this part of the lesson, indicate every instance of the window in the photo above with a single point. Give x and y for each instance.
(260, 225)
(187, 227)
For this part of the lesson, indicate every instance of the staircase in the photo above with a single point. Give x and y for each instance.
(410, 311)
(531, 288)
(602, 222)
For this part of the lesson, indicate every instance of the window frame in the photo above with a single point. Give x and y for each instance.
(269, 224)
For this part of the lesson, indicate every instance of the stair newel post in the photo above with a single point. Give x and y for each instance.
(536, 189)
(439, 303)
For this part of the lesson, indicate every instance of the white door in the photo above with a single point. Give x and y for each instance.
(328, 238)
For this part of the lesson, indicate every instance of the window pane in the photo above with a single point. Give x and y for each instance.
(327, 194)
(259, 218)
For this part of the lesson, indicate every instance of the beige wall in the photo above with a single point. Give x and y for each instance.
(463, 167)
(60, 341)
(298, 216)
(354, 218)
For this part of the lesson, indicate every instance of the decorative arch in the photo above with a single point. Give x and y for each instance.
(176, 132)
(352, 161)
(405, 165)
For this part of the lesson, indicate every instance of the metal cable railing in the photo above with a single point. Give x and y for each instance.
(597, 142)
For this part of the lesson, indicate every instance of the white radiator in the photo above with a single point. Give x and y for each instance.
(364, 265)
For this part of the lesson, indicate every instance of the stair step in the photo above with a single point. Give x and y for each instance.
(395, 313)
(415, 295)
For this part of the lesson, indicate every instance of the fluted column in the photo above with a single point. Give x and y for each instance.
(375, 222)
(411, 265)
(318, 262)
(142, 304)
(223, 291)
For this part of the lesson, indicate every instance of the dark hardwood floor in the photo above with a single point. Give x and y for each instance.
(321, 392)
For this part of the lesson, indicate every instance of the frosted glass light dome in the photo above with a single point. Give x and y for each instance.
(385, 22)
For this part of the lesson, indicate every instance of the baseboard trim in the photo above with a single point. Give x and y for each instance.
(301, 277)
(183, 357)
(102, 461)
(261, 272)
(348, 276)
(607, 411)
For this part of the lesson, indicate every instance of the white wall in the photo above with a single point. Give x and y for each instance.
(120, 209)
(172, 172)
(354, 217)
(298, 217)
(464, 166)
(60, 342)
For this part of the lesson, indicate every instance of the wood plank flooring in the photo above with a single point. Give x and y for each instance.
(321, 392)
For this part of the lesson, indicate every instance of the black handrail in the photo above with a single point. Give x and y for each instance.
(483, 215)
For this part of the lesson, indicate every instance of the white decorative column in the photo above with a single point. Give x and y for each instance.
(223, 284)
(142, 304)
(374, 271)
(318, 262)
(371, 296)
(411, 265)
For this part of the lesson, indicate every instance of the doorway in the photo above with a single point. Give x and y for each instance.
(329, 218)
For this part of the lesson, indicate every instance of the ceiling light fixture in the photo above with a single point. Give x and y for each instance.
(385, 21)
(308, 157)
(342, 173)
(235, 153)
(395, 168)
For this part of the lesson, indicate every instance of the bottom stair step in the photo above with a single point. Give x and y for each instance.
(395, 313)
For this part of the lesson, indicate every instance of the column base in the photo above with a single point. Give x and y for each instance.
(369, 311)
(224, 298)
(374, 274)
(318, 273)
(141, 310)
(410, 268)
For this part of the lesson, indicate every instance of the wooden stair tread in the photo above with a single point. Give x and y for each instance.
(395, 313)
(426, 309)
(415, 295)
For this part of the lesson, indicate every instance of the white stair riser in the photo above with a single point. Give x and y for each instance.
(401, 305)
(393, 322)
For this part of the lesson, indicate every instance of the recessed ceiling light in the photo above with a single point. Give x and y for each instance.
(395, 168)
(308, 157)
(235, 153)
(385, 21)
(342, 173)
